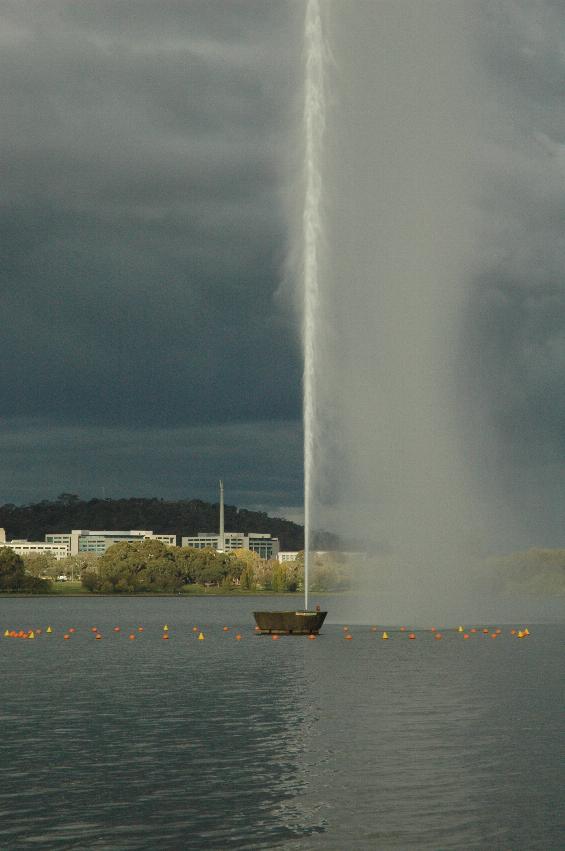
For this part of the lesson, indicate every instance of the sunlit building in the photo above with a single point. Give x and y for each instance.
(34, 548)
(89, 541)
(258, 542)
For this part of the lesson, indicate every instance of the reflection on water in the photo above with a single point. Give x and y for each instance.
(261, 744)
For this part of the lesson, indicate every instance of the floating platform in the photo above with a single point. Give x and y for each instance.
(289, 623)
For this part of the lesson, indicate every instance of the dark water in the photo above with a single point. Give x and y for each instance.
(326, 744)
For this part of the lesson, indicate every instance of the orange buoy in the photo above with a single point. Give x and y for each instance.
(98, 637)
(226, 628)
(93, 629)
(116, 629)
(432, 629)
(140, 629)
(373, 629)
(485, 630)
(66, 636)
(275, 637)
(132, 636)
(165, 636)
(465, 635)
(411, 636)
(402, 629)
(526, 631)
(72, 629)
(473, 629)
(438, 635)
(195, 629)
(312, 637)
(348, 637)
(346, 629)
(238, 637)
(512, 632)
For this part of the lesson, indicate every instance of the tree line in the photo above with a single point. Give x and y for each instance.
(15, 579)
(154, 567)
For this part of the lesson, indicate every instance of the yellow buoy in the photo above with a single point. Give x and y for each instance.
(31, 634)
(48, 629)
(526, 631)
(165, 628)
(6, 633)
(460, 629)
(201, 636)
(385, 636)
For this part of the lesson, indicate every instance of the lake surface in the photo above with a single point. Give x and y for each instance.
(298, 744)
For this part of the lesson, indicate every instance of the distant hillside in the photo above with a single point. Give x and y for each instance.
(184, 517)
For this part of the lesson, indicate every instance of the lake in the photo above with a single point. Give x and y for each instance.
(260, 744)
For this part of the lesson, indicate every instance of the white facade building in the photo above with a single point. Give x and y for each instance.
(258, 542)
(89, 541)
(287, 555)
(36, 548)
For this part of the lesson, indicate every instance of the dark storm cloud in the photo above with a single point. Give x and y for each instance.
(259, 466)
(143, 238)
(143, 347)
(141, 220)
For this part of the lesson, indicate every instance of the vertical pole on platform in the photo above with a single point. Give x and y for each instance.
(222, 535)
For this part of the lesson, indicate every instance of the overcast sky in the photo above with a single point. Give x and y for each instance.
(148, 345)
(144, 349)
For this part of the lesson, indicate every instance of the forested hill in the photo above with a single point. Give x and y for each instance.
(185, 517)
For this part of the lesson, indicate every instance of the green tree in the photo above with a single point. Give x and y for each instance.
(13, 576)
(42, 564)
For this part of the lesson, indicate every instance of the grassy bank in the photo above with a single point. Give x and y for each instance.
(76, 589)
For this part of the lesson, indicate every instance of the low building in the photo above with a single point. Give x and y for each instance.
(89, 541)
(287, 555)
(35, 548)
(258, 542)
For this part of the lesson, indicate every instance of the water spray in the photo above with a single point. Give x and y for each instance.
(314, 124)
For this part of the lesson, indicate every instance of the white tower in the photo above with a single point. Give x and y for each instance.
(221, 537)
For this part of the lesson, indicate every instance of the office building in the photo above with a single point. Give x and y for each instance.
(33, 548)
(287, 555)
(258, 542)
(89, 541)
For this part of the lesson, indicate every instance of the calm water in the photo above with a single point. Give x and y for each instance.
(326, 744)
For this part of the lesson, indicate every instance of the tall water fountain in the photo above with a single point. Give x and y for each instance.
(388, 242)
(314, 122)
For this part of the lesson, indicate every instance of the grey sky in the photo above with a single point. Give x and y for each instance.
(147, 342)
(144, 237)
